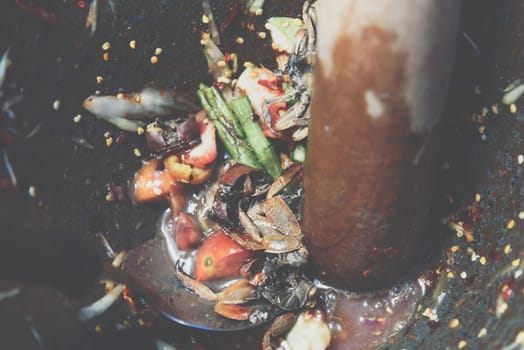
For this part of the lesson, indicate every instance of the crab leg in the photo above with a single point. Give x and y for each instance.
(198, 288)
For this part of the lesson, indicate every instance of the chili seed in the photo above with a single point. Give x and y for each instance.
(454, 323)
(482, 333)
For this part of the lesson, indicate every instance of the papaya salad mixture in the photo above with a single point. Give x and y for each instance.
(231, 170)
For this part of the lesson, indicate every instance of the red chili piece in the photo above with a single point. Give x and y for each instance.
(230, 16)
(38, 11)
(275, 84)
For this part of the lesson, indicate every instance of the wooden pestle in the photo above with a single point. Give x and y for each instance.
(380, 85)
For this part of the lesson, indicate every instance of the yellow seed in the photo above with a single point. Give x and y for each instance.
(482, 260)
(521, 215)
(519, 339)
(239, 40)
(106, 56)
(299, 22)
(106, 46)
(109, 141)
(462, 344)
(507, 249)
(513, 108)
(31, 191)
(510, 224)
(154, 59)
(450, 275)
(221, 64)
(454, 323)
(495, 109)
(99, 79)
(109, 197)
(77, 118)
(482, 333)
(206, 36)
(454, 248)
(132, 44)
(477, 197)
(137, 152)
(482, 129)
(205, 19)
(140, 130)
(262, 35)
(158, 51)
(515, 263)
(98, 328)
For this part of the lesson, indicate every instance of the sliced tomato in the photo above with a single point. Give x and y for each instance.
(187, 233)
(220, 256)
(149, 183)
(177, 198)
(187, 173)
(204, 153)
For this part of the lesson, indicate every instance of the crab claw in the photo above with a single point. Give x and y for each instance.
(233, 311)
(220, 256)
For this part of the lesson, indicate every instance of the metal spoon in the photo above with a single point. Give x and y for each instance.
(151, 272)
(63, 261)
